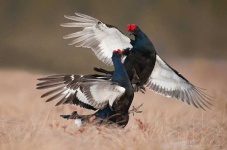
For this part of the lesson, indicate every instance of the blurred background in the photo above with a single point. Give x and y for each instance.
(31, 36)
(188, 34)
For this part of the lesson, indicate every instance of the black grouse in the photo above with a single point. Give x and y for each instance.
(143, 65)
(110, 95)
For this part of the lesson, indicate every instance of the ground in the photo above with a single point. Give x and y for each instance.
(28, 122)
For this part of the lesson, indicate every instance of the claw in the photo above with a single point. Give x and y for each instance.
(136, 109)
(142, 89)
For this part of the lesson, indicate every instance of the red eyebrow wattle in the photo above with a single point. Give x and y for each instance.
(128, 27)
(133, 26)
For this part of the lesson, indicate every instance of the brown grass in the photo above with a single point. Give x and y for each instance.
(27, 122)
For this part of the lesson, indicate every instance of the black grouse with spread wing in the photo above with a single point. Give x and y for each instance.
(143, 65)
(110, 95)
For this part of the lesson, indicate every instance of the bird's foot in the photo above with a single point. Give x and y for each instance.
(135, 109)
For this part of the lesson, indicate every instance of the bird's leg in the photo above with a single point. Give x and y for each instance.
(135, 109)
(135, 78)
(139, 88)
(102, 70)
(136, 82)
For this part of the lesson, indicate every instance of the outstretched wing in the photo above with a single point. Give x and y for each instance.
(168, 82)
(100, 37)
(91, 92)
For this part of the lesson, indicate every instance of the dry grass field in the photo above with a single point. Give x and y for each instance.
(27, 122)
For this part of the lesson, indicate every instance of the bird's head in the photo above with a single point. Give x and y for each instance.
(133, 29)
(117, 53)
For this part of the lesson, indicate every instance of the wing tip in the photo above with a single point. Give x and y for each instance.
(195, 97)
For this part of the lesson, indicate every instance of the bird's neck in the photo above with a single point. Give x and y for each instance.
(143, 44)
(120, 75)
(140, 35)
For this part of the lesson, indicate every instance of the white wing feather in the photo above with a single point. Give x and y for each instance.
(168, 82)
(100, 92)
(97, 36)
(81, 90)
